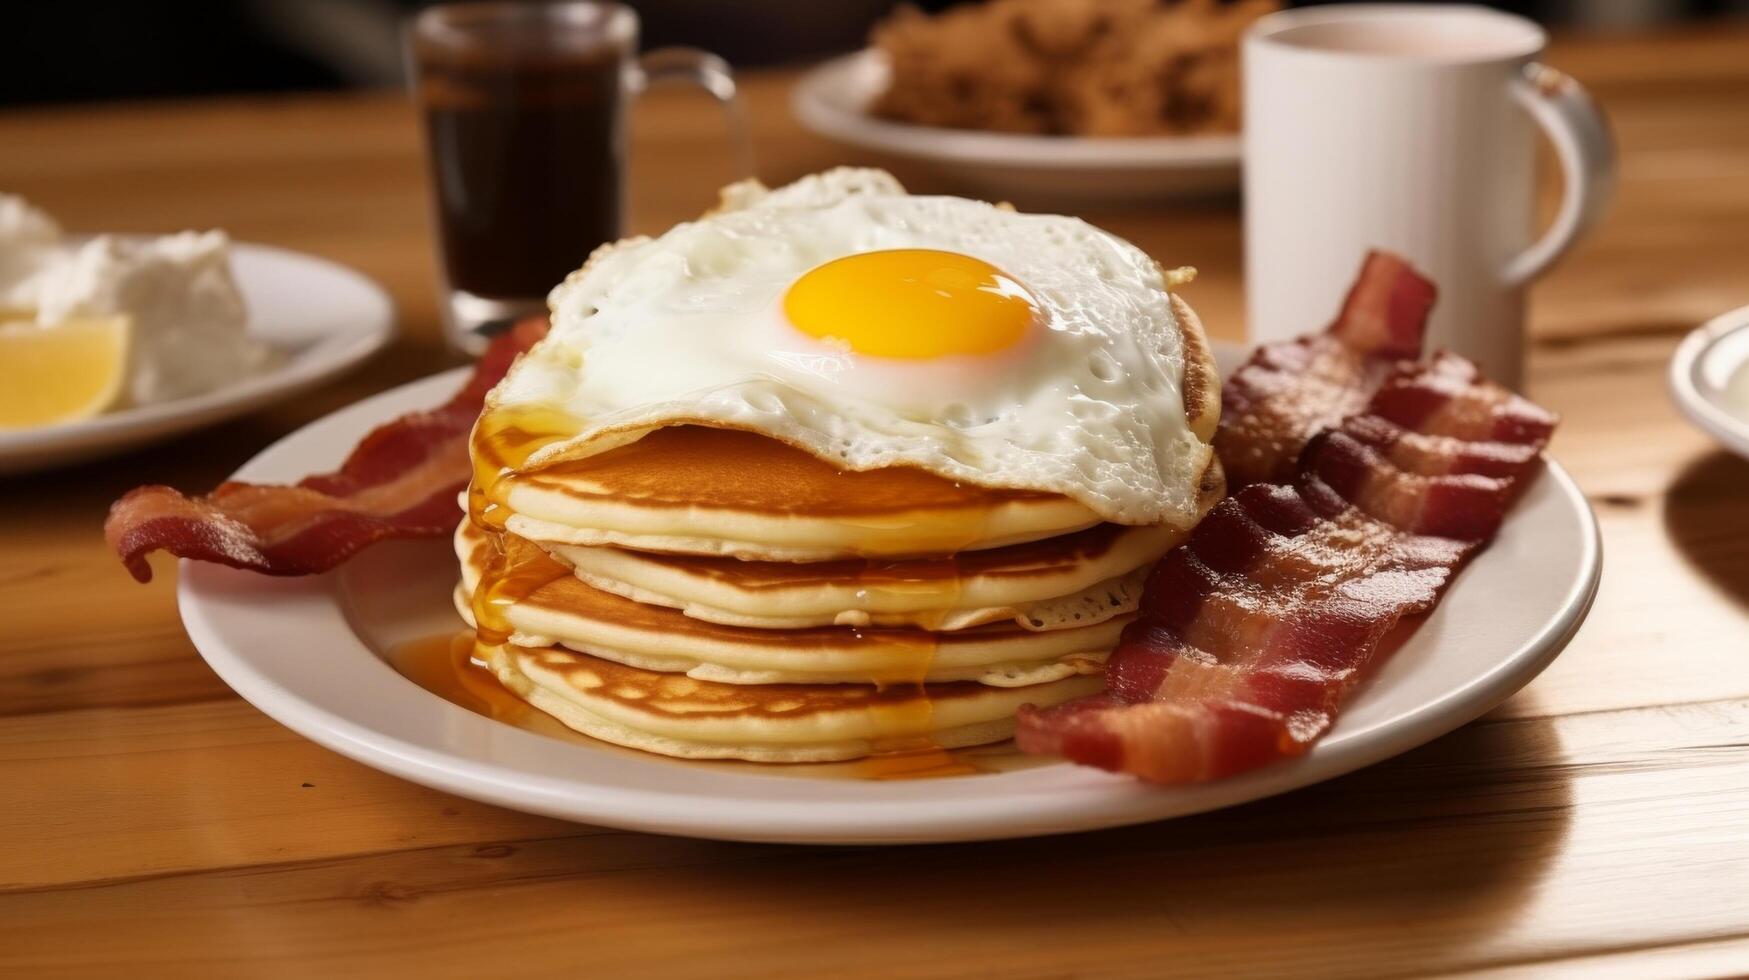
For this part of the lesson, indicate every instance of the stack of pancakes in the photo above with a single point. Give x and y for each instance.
(713, 593)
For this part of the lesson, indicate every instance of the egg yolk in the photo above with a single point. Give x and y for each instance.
(911, 303)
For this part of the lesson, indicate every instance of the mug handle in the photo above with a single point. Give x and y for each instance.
(1580, 133)
(708, 72)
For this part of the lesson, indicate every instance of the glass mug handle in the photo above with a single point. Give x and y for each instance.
(1580, 134)
(708, 72)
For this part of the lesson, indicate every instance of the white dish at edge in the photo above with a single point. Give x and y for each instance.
(308, 653)
(832, 100)
(324, 317)
(1709, 378)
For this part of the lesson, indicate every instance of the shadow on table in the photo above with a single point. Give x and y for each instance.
(1436, 849)
(1706, 514)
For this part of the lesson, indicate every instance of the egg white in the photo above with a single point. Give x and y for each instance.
(688, 327)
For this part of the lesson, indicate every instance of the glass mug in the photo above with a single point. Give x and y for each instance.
(524, 108)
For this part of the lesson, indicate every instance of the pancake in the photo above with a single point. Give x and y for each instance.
(675, 715)
(1073, 580)
(693, 489)
(564, 611)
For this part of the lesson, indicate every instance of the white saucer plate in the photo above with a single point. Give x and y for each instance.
(832, 100)
(324, 318)
(308, 652)
(1709, 378)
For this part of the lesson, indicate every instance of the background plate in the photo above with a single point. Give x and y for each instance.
(1065, 171)
(323, 316)
(1709, 378)
(308, 653)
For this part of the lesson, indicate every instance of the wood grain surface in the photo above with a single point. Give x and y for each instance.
(1597, 824)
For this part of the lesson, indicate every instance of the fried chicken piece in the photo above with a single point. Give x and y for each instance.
(953, 70)
(1066, 31)
(1080, 67)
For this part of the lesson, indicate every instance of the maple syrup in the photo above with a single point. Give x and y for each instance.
(501, 444)
(926, 760)
(444, 664)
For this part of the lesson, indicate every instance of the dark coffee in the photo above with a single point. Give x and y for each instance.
(526, 161)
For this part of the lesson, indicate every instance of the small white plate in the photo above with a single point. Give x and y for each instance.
(1709, 378)
(322, 316)
(308, 652)
(833, 98)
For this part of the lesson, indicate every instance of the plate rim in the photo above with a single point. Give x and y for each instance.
(814, 109)
(340, 351)
(1120, 800)
(1685, 385)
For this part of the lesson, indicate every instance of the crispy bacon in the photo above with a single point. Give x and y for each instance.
(1254, 630)
(400, 482)
(1289, 391)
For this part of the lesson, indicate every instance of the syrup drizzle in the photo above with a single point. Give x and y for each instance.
(444, 664)
(501, 444)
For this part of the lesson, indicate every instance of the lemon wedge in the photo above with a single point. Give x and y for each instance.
(64, 373)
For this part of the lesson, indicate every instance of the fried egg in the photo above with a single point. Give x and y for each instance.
(874, 328)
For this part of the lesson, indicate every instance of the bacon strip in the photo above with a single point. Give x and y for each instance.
(1289, 391)
(1254, 631)
(400, 482)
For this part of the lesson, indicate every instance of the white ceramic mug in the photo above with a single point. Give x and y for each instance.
(1409, 128)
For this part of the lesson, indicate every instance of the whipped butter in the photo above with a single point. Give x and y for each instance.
(189, 319)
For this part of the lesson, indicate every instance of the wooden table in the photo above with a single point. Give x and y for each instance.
(1597, 823)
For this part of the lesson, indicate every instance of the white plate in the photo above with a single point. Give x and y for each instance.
(325, 317)
(307, 652)
(1709, 378)
(832, 100)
